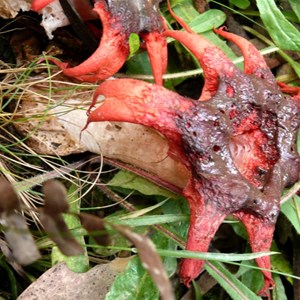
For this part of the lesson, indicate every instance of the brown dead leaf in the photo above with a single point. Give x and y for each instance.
(44, 134)
(95, 227)
(6, 251)
(53, 17)
(16, 232)
(56, 228)
(55, 196)
(9, 200)
(61, 283)
(201, 5)
(134, 144)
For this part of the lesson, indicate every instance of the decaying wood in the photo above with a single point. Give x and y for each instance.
(52, 16)
(10, 8)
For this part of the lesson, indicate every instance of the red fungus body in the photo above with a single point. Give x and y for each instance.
(119, 19)
(239, 142)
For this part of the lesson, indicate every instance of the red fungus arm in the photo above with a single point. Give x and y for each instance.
(156, 45)
(129, 100)
(254, 62)
(37, 5)
(212, 59)
(204, 222)
(292, 90)
(260, 238)
(82, 7)
(110, 55)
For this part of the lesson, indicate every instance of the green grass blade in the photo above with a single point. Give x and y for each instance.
(235, 288)
(224, 257)
(149, 220)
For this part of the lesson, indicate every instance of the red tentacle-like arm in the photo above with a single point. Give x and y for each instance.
(206, 53)
(37, 5)
(260, 235)
(254, 62)
(110, 55)
(157, 49)
(134, 101)
(204, 222)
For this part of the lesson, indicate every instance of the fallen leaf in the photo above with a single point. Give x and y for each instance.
(9, 200)
(16, 232)
(61, 283)
(44, 134)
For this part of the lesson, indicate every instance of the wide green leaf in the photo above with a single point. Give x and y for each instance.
(295, 4)
(291, 209)
(139, 65)
(134, 44)
(221, 43)
(212, 18)
(132, 181)
(203, 23)
(283, 33)
(243, 4)
(280, 263)
(179, 207)
(185, 9)
(199, 23)
(252, 278)
(295, 65)
(134, 284)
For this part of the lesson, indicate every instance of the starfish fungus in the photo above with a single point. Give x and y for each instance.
(120, 19)
(238, 141)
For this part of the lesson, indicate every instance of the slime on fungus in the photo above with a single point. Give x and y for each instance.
(238, 141)
(119, 19)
